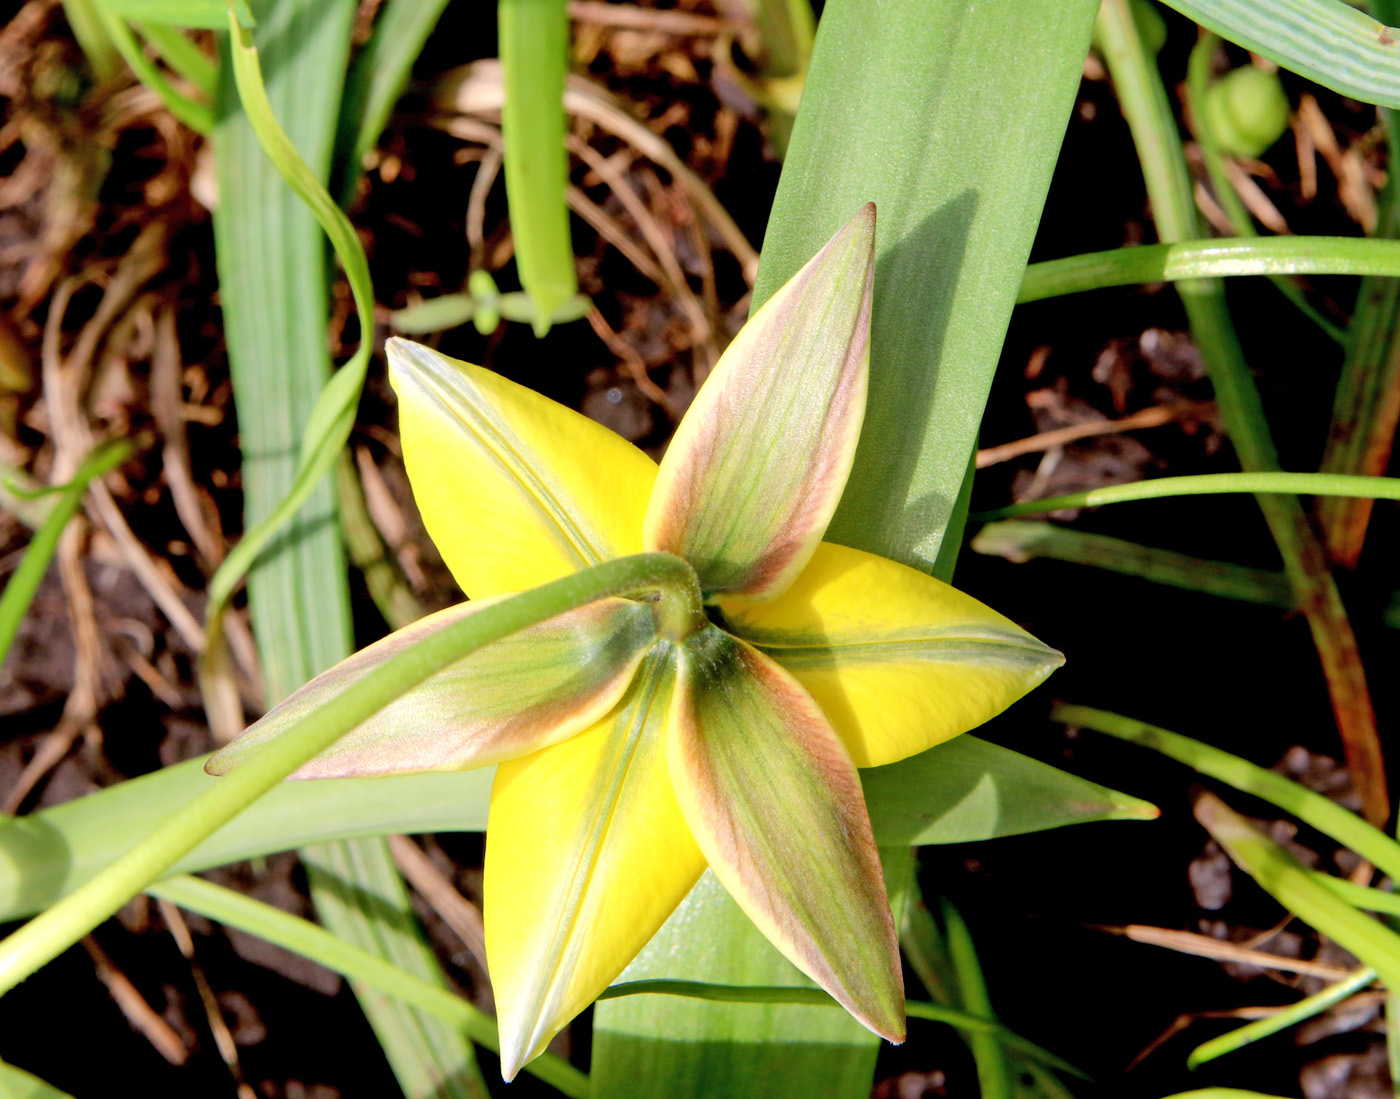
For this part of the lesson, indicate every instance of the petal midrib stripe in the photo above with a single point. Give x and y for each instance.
(921, 649)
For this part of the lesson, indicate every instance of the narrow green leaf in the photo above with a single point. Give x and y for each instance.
(534, 49)
(183, 56)
(199, 117)
(1210, 259)
(1290, 1016)
(1327, 41)
(1209, 484)
(377, 78)
(994, 1075)
(1288, 882)
(89, 28)
(1021, 541)
(200, 14)
(1308, 806)
(25, 580)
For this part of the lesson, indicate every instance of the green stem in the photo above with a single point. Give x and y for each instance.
(47, 935)
(19, 592)
(1210, 259)
(230, 907)
(183, 56)
(197, 116)
(1209, 484)
(993, 1070)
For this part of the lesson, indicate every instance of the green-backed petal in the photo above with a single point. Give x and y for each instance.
(755, 470)
(897, 660)
(587, 854)
(775, 803)
(514, 696)
(514, 489)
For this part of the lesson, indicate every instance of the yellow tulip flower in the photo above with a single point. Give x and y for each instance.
(639, 742)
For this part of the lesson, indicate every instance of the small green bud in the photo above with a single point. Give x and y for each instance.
(487, 319)
(482, 287)
(1246, 111)
(1151, 27)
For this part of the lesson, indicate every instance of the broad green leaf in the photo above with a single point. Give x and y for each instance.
(757, 465)
(564, 918)
(897, 660)
(1328, 41)
(775, 803)
(529, 690)
(949, 117)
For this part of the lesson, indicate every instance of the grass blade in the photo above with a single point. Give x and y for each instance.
(24, 581)
(1149, 116)
(1311, 808)
(1202, 259)
(1327, 41)
(1289, 883)
(1021, 541)
(377, 77)
(1292, 1015)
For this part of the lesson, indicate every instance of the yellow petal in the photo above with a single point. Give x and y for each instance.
(514, 489)
(775, 803)
(586, 856)
(753, 475)
(517, 695)
(898, 661)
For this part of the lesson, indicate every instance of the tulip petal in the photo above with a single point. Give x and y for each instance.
(897, 660)
(514, 489)
(776, 806)
(514, 696)
(587, 854)
(757, 466)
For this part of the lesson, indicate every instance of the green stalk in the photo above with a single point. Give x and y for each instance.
(302, 936)
(87, 25)
(1310, 807)
(1149, 116)
(24, 582)
(48, 935)
(1208, 484)
(1210, 259)
(1361, 896)
(1292, 1015)
(534, 51)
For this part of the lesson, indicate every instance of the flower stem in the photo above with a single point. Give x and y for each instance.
(50, 933)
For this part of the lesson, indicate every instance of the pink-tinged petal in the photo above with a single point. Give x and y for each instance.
(897, 660)
(515, 696)
(514, 489)
(776, 805)
(758, 464)
(587, 854)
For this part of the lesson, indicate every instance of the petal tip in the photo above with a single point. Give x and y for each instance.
(217, 764)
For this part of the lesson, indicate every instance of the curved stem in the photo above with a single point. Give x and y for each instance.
(1209, 484)
(48, 935)
(1210, 259)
